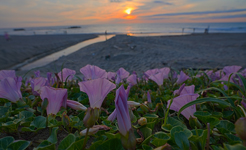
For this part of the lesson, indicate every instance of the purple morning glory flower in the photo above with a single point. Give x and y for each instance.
(158, 78)
(123, 118)
(96, 90)
(111, 76)
(57, 98)
(231, 69)
(67, 74)
(180, 101)
(182, 78)
(121, 74)
(10, 89)
(37, 84)
(7, 73)
(91, 72)
(132, 79)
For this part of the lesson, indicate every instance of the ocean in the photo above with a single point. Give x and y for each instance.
(131, 29)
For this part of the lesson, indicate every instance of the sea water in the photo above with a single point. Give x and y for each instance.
(138, 29)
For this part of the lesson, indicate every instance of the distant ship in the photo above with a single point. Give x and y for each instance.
(74, 27)
(19, 29)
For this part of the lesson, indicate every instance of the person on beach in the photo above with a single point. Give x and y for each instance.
(6, 36)
(106, 34)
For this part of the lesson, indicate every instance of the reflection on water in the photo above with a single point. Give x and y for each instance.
(50, 58)
(155, 34)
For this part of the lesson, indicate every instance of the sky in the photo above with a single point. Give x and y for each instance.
(31, 13)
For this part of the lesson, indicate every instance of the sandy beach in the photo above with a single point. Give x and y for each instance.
(198, 51)
(20, 48)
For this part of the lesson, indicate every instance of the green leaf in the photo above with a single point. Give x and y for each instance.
(146, 131)
(53, 137)
(243, 81)
(4, 142)
(225, 126)
(19, 145)
(203, 100)
(151, 117)
(76, 145)
(95, 145)
(233, 139)
(112, 144)
(146, 147)
(45, 145)
(67, 142)
(160, 138)
(39, 122)
(234, 147)
(176, 129)
(3, 110)
(217, 89)
(181, 140)
(171, 122)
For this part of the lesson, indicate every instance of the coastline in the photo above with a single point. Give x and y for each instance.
(197, 51)
(23, 49)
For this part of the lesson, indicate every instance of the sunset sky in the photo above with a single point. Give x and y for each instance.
(30, 13)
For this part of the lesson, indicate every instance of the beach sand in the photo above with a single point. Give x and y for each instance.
(20, 48)
(197, 51)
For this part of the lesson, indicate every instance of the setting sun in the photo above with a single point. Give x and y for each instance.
(128, 11)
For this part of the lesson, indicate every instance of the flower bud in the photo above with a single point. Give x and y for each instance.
(92, 131)
(139, 140)
(240, 127)
(129, 141)
(142, 121)
(91, 117)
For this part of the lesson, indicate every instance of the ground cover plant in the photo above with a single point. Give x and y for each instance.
(160, 109)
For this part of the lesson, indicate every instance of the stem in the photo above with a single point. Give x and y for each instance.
(84, 144)
(208, 136)
(165, 119)
(242, 110)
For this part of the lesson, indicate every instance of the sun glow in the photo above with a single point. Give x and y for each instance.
(128, 11)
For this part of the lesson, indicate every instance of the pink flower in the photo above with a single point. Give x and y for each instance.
(185, 90)
(121, 74)
(57, 98)
(97, 90)
(37, 84)
(111, 76)
(91, 72)
(132, 79)
(76, 105)
(243, 72)
(10, 89)
(151, 72)
(180, 101)
(37, 73)
(67, 74)
(231, 69)
(182, 78)
(123, 118)
(148, 97)
(158, 78)
(112, 116)
(165, 72)
(7, 73)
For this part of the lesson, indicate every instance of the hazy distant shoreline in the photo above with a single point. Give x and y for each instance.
(204, 51)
